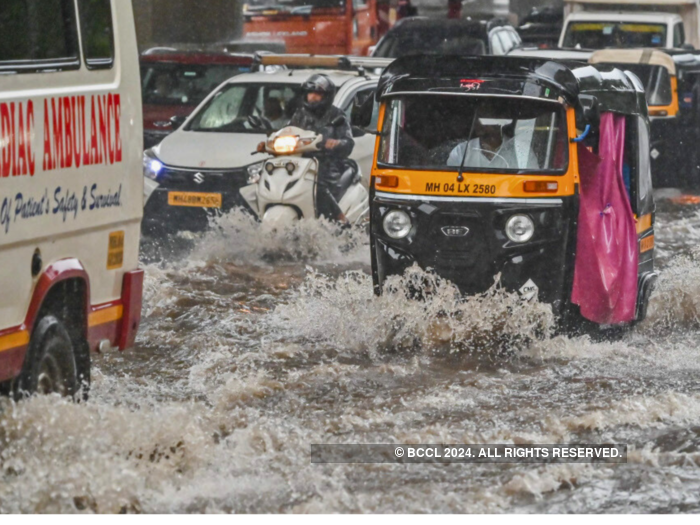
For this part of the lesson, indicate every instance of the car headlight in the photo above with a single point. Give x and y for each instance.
(151, 165)
(397, 224)
(520, 228)
(254, 171)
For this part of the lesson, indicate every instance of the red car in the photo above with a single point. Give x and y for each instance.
(175, 82)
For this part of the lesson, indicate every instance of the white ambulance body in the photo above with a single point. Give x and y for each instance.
(71, 188)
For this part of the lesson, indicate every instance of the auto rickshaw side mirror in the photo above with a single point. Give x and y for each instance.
(590, 110)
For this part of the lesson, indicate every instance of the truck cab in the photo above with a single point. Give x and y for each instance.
(631, 23)
(592, 30)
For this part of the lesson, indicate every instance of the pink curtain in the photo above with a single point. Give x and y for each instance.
(605, 274)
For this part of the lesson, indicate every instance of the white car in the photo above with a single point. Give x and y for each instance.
(601, 30)
(197, 171)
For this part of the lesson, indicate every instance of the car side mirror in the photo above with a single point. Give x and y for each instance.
(362, 111)
(177, 121)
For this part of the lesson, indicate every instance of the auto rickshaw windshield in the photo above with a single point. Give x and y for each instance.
(656, 81)
(482, 134)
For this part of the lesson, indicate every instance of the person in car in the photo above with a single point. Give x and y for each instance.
(274, 113)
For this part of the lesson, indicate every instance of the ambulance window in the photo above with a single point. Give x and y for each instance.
(97, 33)
(38, 34)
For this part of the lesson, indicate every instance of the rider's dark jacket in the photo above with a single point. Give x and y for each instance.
(331, 162)
(305, 119)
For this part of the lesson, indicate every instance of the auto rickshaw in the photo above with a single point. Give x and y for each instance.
(523, 172)
(674, 133)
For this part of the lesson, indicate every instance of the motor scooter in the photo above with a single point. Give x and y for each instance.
(283, 188)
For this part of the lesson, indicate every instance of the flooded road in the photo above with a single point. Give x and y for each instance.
(255, 345)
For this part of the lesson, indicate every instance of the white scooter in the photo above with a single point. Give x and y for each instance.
(283, 190)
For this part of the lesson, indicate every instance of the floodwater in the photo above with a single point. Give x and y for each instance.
(256, 344)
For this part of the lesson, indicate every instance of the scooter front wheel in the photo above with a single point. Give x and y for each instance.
(280, 215)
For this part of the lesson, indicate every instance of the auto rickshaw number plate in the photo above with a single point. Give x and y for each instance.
(193, 199)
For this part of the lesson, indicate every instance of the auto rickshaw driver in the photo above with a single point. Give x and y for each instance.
(488, 147)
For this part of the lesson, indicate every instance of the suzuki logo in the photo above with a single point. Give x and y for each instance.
(455, 231)
(199, 178)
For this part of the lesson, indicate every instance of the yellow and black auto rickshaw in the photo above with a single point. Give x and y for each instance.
(525, 170)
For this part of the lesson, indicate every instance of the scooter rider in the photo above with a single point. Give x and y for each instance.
(317, 113)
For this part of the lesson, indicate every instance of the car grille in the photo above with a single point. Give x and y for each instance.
(203, 180)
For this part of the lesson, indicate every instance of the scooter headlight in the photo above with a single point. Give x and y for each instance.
(254, 172)
(151, 165)
(520, 228)
(397, 224)
(285, 144)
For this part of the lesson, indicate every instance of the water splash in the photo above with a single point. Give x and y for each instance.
(345, 313)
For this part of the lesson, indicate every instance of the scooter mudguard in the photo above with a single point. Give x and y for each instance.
(250, 194)
(355, 203)
(279, 216)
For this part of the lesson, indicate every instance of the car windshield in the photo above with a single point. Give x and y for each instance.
(434, 41)
(183, 85)
(601, 35)
(229, 110)
(483, 134)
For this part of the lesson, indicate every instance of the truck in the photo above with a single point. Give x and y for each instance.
(71, 191)
(321, 27)
(632, 23)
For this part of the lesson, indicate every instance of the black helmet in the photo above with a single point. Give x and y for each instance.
(318, 83)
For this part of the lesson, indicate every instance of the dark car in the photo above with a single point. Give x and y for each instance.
(440, 36)
(175, 82)
(542, 27)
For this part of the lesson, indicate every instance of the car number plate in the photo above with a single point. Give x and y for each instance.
(197, 200)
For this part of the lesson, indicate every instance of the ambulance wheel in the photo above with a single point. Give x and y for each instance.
(50, 365)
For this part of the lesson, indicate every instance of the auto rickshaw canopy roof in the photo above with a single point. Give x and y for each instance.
(514, 76)
(650, 57)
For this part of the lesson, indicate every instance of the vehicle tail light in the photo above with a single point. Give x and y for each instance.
(387, 181)
(541, 186)
(653, 112)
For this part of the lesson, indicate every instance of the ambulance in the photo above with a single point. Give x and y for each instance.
(71, 190)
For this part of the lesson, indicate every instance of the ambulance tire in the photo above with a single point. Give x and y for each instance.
(50, 365)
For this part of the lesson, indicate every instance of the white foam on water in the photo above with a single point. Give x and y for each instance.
(641, 411)
(345, 313)
(675, 303)
(238, 236)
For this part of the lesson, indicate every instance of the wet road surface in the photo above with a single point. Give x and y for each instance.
(256, 344)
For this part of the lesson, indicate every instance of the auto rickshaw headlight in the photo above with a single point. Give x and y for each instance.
(520, 228)
(397, 224)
